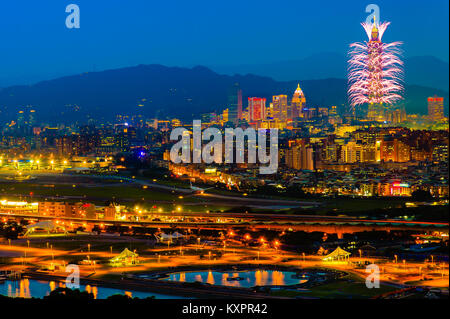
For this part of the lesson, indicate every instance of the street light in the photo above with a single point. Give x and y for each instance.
(276, 244)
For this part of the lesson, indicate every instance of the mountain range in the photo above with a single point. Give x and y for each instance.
(420, 70)
(160, 91)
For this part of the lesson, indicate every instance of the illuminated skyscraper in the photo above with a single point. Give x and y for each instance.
(280, 106)
(436, 108)
(394, 150)
(233, 103)
(297, 104)
(375, 72)
(239, 104)
(256, 108)
(300, 157)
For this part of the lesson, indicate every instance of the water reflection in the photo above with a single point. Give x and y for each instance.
(239, 279)
(210, 279)
(28, 288)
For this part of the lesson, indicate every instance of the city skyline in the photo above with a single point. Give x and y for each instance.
(296, 181)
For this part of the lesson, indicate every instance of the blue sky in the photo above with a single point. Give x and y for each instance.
(36, 45)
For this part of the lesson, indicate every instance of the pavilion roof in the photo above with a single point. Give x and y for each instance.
(338, 252)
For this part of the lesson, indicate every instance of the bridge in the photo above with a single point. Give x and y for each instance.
(223, 221)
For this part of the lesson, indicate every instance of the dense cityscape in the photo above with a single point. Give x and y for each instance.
(360, 185)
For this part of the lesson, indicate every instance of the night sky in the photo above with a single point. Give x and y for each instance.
(36, 44)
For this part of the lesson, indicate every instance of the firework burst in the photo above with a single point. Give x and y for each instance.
(375, 69)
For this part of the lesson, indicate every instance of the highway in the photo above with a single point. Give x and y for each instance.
(224, 221)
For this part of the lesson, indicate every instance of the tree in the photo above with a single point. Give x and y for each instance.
(421, 195)
(69, 294)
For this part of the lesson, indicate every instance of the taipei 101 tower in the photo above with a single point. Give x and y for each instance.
(375, 72)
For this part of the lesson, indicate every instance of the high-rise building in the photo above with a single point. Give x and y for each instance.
(300, 157)
(25, 120)
(256, 109)
(351, 153)
(375, 70)
(233, 103)
(376, 112)
(297, 104)
(436, 108)
(394, 151)
(239, 105)
(397, 116)
(279, 107)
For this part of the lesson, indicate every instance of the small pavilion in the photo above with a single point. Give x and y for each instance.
(125, 258)
(338, 254)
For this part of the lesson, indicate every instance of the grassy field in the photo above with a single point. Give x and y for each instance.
(351, 205)
(107, 192)
(342, 289)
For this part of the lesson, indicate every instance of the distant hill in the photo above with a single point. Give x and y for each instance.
(156, 90)
(318, 66)
(427, 71)
(424, 70)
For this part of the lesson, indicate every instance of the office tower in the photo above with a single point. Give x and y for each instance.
(376, 112)
(351, 153)
(297, 104)
(279, 107)
(436, 108)
(256, 108)
(300, 157)
(233, 103)
(394, 151)
(398, 116)
(25, 120)
(239, 105)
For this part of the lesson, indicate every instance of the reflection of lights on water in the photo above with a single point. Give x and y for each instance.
(277, 278)
(224, 278)
(247, 278)
(210, 279)
(21, 290)
(95, 292)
